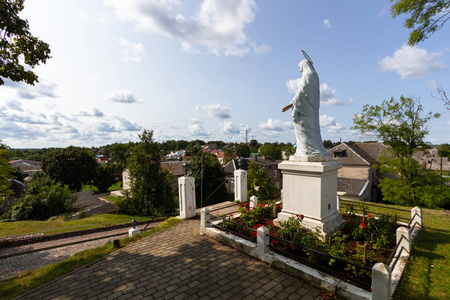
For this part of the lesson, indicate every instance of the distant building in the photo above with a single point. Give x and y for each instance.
(358, 178)
(26, 167)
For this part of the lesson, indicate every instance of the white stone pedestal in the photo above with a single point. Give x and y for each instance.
(310, 189)
(240, 185)
(186, 192)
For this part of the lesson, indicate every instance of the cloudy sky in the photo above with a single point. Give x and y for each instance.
(212, 69)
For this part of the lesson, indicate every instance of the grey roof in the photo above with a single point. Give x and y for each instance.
(364, 154)
(351, 186)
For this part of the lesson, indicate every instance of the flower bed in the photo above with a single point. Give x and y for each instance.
(351, 253)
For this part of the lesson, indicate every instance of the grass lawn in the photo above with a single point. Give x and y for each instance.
(115, 187)
(111, 198)
(59, 225)
(29, 280)
(427, 275)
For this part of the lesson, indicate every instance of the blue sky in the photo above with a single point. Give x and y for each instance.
(213, 69)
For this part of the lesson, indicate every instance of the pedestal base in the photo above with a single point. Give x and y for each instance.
(310, 189)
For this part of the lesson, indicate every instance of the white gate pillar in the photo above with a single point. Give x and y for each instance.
(240, 185)
(186, 191)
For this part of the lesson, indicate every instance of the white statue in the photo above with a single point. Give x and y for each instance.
(305, 112)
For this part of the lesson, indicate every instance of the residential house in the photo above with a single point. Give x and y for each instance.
(358, 177)
(26, 167)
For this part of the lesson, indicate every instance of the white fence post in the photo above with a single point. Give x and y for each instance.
(417, 220)
(381, 282)
(262, 241)
(240, 185)
(253, 201)
(204, 220)
(405, 242)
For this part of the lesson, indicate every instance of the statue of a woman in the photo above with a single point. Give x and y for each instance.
(305, 113)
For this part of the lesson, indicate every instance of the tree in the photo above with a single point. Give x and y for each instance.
(18, 46)
(151, 190)
(6, 171)
(43, 199)
(402, 126)
(259, 182)
(72, 166)
(444, 150)
(228, 155)
(120, 153)
(242, 150)
(209, 177)
(426, 17)
(270, 150)
(107, 175)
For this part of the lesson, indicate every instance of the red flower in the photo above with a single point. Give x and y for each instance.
(363, 225)
(231, 215)
(268, 222)
(302, 217)
(263, 204)
(369, 216)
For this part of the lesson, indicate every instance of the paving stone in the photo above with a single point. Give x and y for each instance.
(177, 264)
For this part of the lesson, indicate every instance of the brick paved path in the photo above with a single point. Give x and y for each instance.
(176, 263)
(36, 255)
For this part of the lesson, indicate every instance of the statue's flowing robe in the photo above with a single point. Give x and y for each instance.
(305, 113)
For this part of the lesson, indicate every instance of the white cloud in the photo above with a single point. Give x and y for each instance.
(230, 128)
(328, 95)
(40, 89)
(125, 96)
(216, 110)
(125, 125)
(293, 85)
(197, 130)
(412, 62)
(217, 25)
(262, 49)
(330, 124)
(276, 125)
(95, 113)
(131, 51)
(327, 24)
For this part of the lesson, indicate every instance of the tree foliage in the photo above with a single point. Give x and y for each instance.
(120, 153)
(242, 150)
(72, 166)
(18, 46)
(402, 126)
(228, 155)
(425, 17)
(6, 171)
(444, 150)
(209, 177)
(270, 150)
(151, 190)
(107, 175)
(259, 182)
(43, 199)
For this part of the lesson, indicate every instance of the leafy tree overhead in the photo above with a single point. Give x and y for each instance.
(209, 177)
(19, 49)
(72, 166)
(228, 155)
(425, 17)
(43, 199)
(444, 150)
(259, 182)
(402, 126)
(151, 190)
